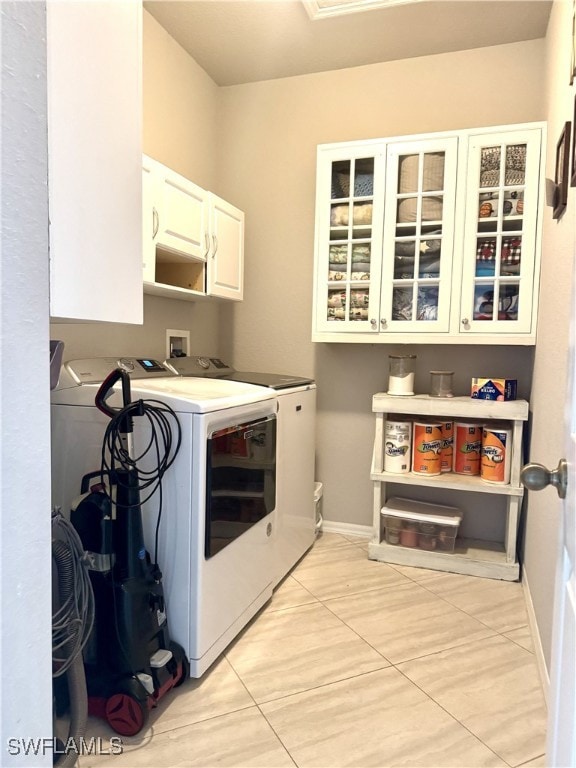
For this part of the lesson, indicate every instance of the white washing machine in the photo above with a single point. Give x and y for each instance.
(295, 528)
(215, 546)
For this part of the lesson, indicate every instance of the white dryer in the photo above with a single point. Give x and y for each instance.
(215, 542)
(295, 528)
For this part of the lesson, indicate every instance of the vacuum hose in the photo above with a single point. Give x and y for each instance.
(71, 626)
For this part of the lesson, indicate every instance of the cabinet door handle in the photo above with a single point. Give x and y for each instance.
(215, 241)
(383, 322)
(207, 241)
(374, 324)
(155, 222)
(465, 321)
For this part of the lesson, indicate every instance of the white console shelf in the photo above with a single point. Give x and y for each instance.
(497, 560)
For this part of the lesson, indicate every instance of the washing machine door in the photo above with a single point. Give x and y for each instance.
(240, 480)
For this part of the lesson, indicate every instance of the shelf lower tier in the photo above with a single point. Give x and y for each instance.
(451, 481)
(173, 292)
(471, 557)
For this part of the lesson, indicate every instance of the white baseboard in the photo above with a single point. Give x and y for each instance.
(332, 526)
(538, 650)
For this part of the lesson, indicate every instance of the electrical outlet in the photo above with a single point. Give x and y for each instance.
(177, 343)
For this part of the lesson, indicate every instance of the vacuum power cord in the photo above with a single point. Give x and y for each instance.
(155, 457)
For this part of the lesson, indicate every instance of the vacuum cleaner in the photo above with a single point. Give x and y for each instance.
(129, 660)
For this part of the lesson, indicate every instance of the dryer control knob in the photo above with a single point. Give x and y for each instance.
(126, 364)
(203, 363)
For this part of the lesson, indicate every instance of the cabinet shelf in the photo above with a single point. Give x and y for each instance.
(173, 292)
(474, 557)
(449, 481)
(456, 407)
(409, 227)
(512, 225)
(359, 232)
(243, 462)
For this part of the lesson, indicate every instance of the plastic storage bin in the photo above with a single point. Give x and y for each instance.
(417, 524)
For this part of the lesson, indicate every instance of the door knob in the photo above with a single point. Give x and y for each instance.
(536, 477)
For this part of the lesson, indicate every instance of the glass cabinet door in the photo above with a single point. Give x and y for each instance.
(500, 233)
(350, 241)
(418, 236)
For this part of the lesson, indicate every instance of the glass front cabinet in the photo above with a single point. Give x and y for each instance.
(429, 238)
(500, 234)
(350, 218)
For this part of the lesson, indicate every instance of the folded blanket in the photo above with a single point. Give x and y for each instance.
(340, 314)
(514, 170)
(336, 276)
(336, 298)
(363, 185)
(340, 214)
(358, 299)
(338, 254)
(361, 266)
(432, 180)
(427, 308)
(430, 245)
(510, 251)
(360, 253)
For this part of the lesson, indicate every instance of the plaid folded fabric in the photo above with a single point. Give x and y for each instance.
(486, 250)
(511, 250)
(510, 253)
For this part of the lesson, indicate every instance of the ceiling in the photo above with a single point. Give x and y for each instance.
(242, 41)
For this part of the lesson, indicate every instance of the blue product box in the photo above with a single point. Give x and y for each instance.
(494, 389)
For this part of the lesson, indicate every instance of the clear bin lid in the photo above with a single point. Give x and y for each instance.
(422, 511)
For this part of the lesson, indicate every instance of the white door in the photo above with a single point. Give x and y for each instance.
(561, 746)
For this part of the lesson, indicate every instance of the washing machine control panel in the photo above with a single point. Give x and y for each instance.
(151, 366)
(199, 366)
(94, 370)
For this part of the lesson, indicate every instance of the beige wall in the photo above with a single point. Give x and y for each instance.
(180, 104)
(268, 164)
(551, 360)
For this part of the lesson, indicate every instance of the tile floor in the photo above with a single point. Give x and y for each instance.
(358, 663)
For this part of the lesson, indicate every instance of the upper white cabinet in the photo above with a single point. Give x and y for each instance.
(193, 241)
(429, 239)
(225, 233)
(94, 65)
